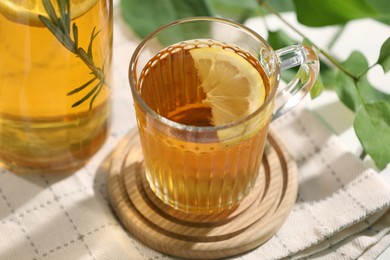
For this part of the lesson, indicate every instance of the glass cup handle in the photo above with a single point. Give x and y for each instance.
(292, 93)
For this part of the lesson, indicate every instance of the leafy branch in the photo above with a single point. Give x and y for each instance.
(330, 58)
(60, 27)
(372, 107)
(347, 78)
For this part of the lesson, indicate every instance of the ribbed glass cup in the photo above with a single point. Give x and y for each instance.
(199, 168)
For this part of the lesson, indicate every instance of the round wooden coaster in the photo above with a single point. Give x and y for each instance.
(202, 236)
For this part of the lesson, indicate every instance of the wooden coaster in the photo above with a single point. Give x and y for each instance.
(202, 236)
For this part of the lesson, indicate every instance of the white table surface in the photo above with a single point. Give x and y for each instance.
(365, 35)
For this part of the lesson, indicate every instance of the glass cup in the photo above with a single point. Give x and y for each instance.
(54, 74)
(190, 164)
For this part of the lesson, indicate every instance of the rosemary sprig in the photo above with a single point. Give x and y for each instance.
(60, 27)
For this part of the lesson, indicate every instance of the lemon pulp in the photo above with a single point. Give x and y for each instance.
(234, 88)
(26, 12)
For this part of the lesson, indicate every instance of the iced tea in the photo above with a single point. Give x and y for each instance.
(195, 171)
(204, 106)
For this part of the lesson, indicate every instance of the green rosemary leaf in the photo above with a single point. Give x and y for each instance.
(61, 26)
(93, 36)
(76, 90)
(56, 31)
(66, 17)
(68, 5)
(62, 7)
(75, 36)
(96, 94)
(84, 56)
(64, 20)
(91, 41)
(50, 11)
(90, 93)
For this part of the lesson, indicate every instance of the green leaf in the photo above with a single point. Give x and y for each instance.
(232, 9)
(369, 93)
(345, 86)
(356, 63)
(383, 7)
(76, 36)
(145, 16)
(346, 90)
(372, 127)
(64, 8)
(90, 45)
(84, 56)
(279, 39)
(95, 95)
(317, 88)
(318, 13)
(50, 10)
(90, 93)
(328, 75)
(282, 5)
(76, 90)
(352, 93)
(384, 56)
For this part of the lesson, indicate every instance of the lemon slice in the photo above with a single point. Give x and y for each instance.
(234, 88)
(27, 11)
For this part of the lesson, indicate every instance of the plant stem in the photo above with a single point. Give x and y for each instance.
(323, 52)
(60, 27)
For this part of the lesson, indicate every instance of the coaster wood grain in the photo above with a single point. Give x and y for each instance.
(202, 236)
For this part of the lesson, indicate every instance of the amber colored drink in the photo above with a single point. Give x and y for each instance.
(39, 128)
(201, 172)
